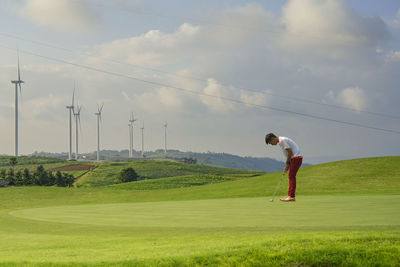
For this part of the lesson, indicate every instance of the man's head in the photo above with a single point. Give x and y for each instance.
(271, 139)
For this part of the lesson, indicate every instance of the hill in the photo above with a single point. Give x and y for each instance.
(27, 160)
(211, 159)
(107, 172)
(358, 176)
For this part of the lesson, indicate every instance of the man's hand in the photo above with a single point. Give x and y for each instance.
(286, 169)
(288, 160)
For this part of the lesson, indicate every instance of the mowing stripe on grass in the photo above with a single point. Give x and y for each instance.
(310, 211)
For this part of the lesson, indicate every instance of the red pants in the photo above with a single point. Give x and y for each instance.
(295, 164)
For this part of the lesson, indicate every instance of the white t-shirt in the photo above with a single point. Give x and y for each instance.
(285, 142)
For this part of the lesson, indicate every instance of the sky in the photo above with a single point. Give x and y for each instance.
(222, 74)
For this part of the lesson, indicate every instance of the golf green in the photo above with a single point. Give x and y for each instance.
(308, 211)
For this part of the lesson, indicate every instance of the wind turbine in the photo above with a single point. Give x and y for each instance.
(17, 84)
(71, 110)
(142, 140)
(131, 121)
(77, 116)
(165, 126)
(98, 114)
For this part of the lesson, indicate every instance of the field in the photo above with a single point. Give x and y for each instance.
(346, 214)
(105, 173)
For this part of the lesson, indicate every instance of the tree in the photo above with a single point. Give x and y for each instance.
(13, 161)
(51, 180)
(3, 174)
(69, 179)
(189, 160)
(41, 176)
(10, 176)
(127, 175)
(60, 181)
(27, 177)
(18, 178)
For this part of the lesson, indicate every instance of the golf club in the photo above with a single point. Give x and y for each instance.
(277, 187)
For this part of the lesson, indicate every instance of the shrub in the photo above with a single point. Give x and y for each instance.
(127, 175)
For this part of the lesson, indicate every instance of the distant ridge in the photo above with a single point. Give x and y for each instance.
(209, 158)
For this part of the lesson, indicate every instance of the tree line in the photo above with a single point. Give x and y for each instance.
(39, 177)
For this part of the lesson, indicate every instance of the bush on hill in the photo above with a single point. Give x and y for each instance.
(127, 175)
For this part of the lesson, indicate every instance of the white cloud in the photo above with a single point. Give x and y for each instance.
(217, 104)
(396, 21)
(393, 56)
(169, 98)
(159, 100)
(352, 97)
(329, 24)
(152, 48)
(252, 98)
(60, 14)
(42, 105)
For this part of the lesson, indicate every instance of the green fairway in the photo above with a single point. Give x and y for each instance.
(346, 214)
(317, 211)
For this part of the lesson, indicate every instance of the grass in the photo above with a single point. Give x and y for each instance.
(314, 211)
(346, 215)
(106, 173)
(25, 160)
(173, 182)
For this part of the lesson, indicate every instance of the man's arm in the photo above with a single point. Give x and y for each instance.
(288, 159)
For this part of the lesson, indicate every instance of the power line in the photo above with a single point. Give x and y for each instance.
(204, 94)
(310, 101)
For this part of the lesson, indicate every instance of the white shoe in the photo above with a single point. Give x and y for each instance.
(288, 199)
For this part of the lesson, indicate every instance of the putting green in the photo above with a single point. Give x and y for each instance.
(311, 211)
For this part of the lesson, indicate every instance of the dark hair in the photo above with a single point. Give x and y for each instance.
(268, 137)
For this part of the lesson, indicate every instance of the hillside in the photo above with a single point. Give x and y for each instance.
(211, 159)
(360, 176)
(26, 160)
(107, 172)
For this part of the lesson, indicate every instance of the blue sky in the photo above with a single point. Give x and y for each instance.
(265, 53)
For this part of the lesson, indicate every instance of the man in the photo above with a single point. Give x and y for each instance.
(294, 158)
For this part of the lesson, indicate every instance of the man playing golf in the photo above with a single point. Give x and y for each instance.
(294, 158)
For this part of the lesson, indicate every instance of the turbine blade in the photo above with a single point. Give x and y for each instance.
(73, 95)
(101, 108)
(79, 121)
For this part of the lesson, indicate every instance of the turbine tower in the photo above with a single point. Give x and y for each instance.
(98, 114)
(77, 116)
(142, 140)
(17, 84)
(130, 140)
(165, 139)
(131, 121)
(71, 110)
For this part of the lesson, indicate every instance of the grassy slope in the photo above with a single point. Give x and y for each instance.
(25, 160)
(174, 182)
(360, 176)
(93, 244)
(106, 173)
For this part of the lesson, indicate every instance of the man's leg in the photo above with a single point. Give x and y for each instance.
(293, 168)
